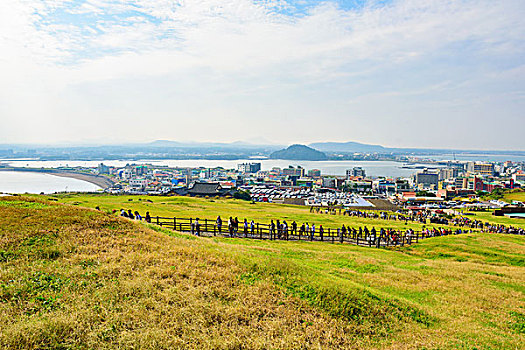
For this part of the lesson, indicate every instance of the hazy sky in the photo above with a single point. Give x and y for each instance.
(407, 73)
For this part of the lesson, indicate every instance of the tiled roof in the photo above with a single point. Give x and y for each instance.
(205, 188)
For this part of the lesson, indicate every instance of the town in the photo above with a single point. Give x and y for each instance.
(432, 187)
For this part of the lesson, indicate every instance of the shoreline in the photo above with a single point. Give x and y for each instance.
(101, 181)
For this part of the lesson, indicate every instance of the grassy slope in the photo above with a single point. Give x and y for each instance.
(210, 208)
(80, 279)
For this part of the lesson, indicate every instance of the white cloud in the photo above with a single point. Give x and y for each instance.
(187, 63)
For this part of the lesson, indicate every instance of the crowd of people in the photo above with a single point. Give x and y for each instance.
(282, 229)
(417, 216)
(135, 215)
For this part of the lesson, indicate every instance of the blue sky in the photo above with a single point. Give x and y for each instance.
(406, 73)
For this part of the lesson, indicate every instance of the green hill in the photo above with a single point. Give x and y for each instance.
(74, 278)
(299, 152)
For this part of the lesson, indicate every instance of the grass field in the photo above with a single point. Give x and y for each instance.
(209, 208)
(77, 278)
(515, 196)
(487, 215)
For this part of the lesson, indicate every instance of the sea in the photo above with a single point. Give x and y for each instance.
(22, 182)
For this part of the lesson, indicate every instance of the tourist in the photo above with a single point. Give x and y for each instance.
(218, 222)
(197, 227)
(148, 218)
(230, 226)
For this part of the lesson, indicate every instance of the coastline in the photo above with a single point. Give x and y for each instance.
(98, 180)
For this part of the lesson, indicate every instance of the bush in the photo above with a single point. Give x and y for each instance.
(244, 195)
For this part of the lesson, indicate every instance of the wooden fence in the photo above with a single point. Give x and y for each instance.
(209, 228)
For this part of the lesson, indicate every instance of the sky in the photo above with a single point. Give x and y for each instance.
(400, 73)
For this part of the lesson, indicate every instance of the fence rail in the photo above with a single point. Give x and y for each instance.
(209, 228)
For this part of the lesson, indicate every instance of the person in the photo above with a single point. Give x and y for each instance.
(236, 225)
(294, 227)
(245, 228)
(278, 229)
(137, 216)
(321, 231)
(197, 227)
(148, 218)
(230, 226)
(272, 228)
(218, 222)
(130, 214)
(123, 213)
(312, 234)
(252, 227)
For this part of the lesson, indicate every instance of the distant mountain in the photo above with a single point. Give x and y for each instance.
(238, 145)
(299, 152)
(348, 147)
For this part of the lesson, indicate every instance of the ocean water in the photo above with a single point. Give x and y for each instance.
(22, 182)
(372, 168)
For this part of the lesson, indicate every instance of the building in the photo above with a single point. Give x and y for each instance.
(355, 172)
(314, 173)
(291, 171)
(427, 179)
(448, 173)
(358, 186)
(141, 170)
(138, 183)
(402, 185)
(205, 189)
(519, 176)
(329, 182)
(103, 169)
(249, 167)
(486, 169)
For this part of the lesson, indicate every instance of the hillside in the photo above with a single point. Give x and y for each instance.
(299, 152)
(81, 278)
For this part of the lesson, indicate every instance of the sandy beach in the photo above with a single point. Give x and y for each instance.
(99, 180)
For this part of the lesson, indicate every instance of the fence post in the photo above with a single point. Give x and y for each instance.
(214, 230)
(158, 223)
(205, 225)
(340, 234)
(174, 223)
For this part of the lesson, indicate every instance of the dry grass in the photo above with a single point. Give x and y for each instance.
(78, 279)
